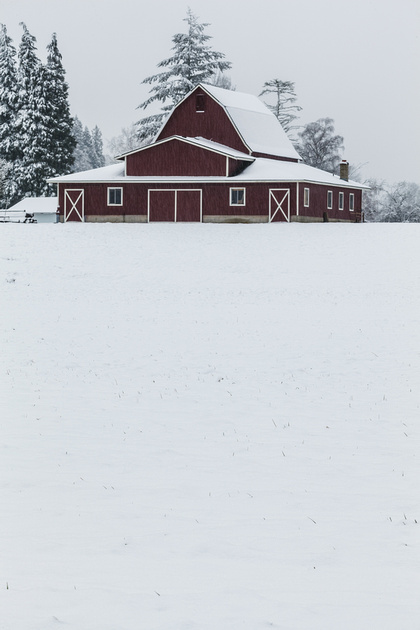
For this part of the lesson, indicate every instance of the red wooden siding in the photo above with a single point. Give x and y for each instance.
(213, 123)
(162, 205)
(176, 158)
(318, 202)
(161, 198)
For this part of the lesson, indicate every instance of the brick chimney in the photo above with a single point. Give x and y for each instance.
(344, 170)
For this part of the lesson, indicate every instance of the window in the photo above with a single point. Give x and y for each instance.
(329, 200)
(115, 196)
(341, 201)
(306, 197)
(200, 102)
(237, 196)
(351, 202)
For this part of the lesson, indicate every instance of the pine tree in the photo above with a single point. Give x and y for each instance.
(284, 107)
(193, 62)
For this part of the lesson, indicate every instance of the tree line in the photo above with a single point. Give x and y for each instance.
(39, 138)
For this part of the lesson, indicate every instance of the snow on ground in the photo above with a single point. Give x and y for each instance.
(209, 427)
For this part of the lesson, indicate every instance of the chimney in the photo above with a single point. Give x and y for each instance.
(344, 170)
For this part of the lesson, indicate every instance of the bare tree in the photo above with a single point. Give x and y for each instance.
(399, 203)
(319, 146)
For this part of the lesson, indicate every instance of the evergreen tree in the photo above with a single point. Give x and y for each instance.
(8, 94)
(62, 143)
(88, 153)
(8, 108)
(284, 107)
(193, 62)
(98, 147)
(32, 125)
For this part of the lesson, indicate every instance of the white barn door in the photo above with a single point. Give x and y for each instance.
(279, 204)
(74, 204)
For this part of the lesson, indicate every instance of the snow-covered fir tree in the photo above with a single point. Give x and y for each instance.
(8, 105)
(32, 125)
(38, 126)
(89, 147)
(61, 154)
(8, 93)
(192, 62)
(282, 102)
(98, 147)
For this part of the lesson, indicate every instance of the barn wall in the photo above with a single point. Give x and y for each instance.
(213, 124)
(176, 158)
(318, 202)
(215, 201)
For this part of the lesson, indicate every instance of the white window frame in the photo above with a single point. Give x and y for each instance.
(231, 203)
(330, 199)
(306, 192)
(351, 202)
(341, 201)
(111, 188)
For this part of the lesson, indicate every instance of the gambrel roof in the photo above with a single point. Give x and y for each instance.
(257, 125)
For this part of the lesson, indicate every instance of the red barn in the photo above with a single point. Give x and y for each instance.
(221, 156)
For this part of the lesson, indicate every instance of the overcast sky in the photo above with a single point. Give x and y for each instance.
(356, 61)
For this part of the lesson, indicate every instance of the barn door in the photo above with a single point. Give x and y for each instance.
(279, 204)
(161, 205)
(188, 205)
(74, 204)
(175, 205)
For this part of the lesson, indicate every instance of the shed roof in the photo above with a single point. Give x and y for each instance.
(257, 125)
(40, 205)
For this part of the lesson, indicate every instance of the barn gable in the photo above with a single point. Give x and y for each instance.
(178, 156)
(235, 119)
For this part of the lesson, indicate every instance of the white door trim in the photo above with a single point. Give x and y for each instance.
(73, 204)
(279, 205)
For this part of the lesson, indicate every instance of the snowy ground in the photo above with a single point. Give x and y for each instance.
(209, 427)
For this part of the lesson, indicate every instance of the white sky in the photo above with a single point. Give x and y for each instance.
(354, 61)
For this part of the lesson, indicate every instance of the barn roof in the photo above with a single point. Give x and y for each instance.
(257, 125)
(261, 170)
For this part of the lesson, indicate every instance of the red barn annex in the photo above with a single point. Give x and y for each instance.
(221, 156)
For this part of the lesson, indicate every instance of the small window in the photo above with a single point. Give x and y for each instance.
(351, 202)
(329, 200)
(306, 197)
(237, 196)
(115, 196)
(341, 201)
(200, 102)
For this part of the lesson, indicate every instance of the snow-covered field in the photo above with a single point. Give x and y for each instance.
(209, 427)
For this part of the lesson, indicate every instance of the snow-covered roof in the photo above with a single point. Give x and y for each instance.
(200, 142)
(109, 173)
(39, 205)
(257, 125)
(261, 170)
